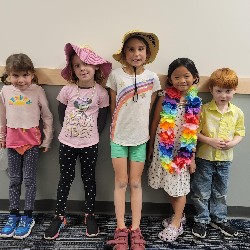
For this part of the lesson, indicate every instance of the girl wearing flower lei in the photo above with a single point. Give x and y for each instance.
(173, 141)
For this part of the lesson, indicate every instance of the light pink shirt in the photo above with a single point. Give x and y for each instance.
(80, 127)
(23, 109)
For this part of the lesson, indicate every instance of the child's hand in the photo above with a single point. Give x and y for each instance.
(2, 144)
(192, 167)
(44, 149)
(217, 143)
(150, 153)
(228, 144)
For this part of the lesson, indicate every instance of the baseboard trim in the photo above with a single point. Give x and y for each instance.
(107, 207)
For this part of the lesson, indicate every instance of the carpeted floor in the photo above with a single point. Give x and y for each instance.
(73, 236)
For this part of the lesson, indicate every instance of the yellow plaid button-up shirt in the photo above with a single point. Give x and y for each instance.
(213, 124)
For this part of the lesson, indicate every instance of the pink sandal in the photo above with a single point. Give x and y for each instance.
(120, 240)
(136, 240)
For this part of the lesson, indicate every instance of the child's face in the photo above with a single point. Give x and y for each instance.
(182, 79)
(84, 72)
(222, 96)
(135, 52)
(22, 79)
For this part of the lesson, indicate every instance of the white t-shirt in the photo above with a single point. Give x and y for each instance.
(130, 122)
(80, 124)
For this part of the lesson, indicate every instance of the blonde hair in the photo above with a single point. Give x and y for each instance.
(223, 78)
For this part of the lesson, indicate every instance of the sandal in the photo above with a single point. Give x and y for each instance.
(170, 233)
(120, 241)
(136, 240)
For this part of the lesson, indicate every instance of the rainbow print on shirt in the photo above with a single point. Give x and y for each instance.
(19, 100)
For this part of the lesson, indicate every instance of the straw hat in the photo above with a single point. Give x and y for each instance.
(151, 39)
(87, 55)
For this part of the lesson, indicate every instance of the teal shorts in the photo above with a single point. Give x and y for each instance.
(133, 153)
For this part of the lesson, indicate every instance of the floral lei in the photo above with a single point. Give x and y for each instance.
(189, 131)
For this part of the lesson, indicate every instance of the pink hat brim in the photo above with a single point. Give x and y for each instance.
(86, 55)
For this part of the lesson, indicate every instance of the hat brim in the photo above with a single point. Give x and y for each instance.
(86, 55)
(151, 39)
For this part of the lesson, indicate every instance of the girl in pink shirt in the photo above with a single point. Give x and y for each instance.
(83, 105)
(22, 103)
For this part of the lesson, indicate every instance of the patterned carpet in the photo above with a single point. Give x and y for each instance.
(73, 236)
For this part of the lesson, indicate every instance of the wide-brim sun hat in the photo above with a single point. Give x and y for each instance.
(87, 55)
(151, 39)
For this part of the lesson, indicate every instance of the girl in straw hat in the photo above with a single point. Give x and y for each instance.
(133, 90)
(82, 112)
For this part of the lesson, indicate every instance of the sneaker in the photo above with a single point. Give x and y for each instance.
(92, 227)
(120, 241)
(137, 241)
(53, 230)
(24, 227)
(225, 227)
(171, 233)
(10, 226)
(199, 230)
(168, 221)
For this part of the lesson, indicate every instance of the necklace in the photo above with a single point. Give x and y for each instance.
(189, 129)
(83, 104)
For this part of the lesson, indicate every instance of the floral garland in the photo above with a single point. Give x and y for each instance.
(189, 132)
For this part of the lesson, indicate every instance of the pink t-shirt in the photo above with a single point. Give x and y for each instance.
(80, 122)
(23, 109)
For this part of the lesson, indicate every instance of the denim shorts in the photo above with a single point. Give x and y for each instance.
(133, 153)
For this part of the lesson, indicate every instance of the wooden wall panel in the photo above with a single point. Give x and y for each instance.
(53, 77)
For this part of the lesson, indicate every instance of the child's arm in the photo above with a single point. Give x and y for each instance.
(112, 101)
(217, 143)
(154, 125)
(47, 118)
(152, 100)
(2, 122)
(230, 144)
(61, 112)
(101, 120)
(192, 166)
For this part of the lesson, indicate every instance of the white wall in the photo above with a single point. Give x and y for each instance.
(213, 33)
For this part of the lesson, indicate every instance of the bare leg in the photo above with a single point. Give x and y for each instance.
(178, 204)
(136, 169)
(121, 181)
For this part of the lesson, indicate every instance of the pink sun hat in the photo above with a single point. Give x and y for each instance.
(87, 55)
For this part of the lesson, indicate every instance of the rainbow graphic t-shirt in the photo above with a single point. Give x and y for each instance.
(130, 122)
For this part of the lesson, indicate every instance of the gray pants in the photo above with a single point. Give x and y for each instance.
(22, 167)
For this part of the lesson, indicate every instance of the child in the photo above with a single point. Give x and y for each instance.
(133, 90)
(82, 111)
(173, 134)
(221, 128)
(22, 103)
